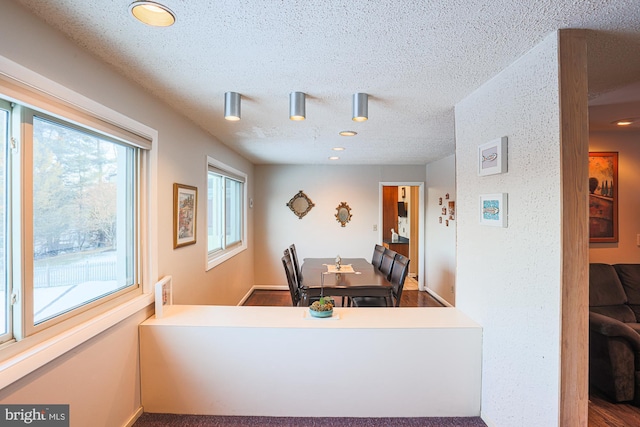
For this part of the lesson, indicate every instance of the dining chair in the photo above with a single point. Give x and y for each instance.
(377, 255)
(387, 262)
(291, 281)
(296, 264)
(399, 273)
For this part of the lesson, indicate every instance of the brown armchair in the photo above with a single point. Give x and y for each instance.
(614, 331)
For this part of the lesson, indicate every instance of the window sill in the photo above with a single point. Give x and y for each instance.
(42, 353)
(225, 256)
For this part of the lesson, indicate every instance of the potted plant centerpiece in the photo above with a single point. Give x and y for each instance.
(322, 308)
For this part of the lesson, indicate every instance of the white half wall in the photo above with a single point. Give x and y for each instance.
(275, 361)
(440, 246)
(509, 279)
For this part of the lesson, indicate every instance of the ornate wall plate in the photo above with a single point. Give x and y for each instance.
(343, 213)
(300, 204)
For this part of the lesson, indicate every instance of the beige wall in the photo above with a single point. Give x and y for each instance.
(440, 253)
(99, 379)
(508, 279)
(627, 144)
(102, 375)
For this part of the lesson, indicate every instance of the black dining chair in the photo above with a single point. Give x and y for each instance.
(387, 262)
(398, 275)
(376, 259)
(296, 264)
(291, 281)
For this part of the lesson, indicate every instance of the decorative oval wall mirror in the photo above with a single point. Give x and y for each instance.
(300, 204)
(343, 213)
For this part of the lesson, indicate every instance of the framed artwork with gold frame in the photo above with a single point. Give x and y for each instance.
(185, 207)
(603, 197)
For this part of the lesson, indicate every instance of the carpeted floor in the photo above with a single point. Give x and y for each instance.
(172, 420)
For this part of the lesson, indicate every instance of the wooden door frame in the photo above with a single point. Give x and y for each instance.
(421, 223)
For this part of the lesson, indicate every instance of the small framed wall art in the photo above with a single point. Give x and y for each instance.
(492, 157)
(164, 295)
(185, 207)
(493, 209)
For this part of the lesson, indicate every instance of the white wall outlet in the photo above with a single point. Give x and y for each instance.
(375, 228)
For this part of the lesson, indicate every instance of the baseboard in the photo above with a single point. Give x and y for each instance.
(435, 295)
(134, 417)
(262, 287)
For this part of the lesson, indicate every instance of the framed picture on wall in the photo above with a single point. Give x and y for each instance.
(185, 205)
(493, 209)
(163, 294)
(603, 197)
(492, 157)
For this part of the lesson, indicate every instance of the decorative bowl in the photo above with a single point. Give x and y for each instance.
(315, 313)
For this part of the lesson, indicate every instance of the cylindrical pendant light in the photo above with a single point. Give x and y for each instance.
(296, 106)
(232, 106)
(360, 107)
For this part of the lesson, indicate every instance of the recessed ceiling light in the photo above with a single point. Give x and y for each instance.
(624, 122)
(334, 158)
(348, 133)
(338, 148)
(152, 13)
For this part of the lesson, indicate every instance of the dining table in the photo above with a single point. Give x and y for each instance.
(356, 277)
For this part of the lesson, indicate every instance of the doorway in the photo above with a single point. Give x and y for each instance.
(402, 211)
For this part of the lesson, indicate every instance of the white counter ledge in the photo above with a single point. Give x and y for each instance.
(276, 361)
(296, 317)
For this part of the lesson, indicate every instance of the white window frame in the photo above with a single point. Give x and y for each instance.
(18, 359)
(216, 258)
(23, 309)
(7, 220)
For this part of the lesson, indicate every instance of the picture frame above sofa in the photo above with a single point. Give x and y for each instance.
(603, 197)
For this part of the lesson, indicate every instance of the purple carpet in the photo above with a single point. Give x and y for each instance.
(172, 420)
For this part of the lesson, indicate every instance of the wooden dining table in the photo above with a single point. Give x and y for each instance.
(357, 278)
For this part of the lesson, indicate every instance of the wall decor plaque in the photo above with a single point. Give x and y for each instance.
(343, 213)
(300, 204)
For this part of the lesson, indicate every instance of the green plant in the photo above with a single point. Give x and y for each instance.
(323, 304)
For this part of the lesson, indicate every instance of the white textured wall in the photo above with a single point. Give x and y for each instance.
(508, 279)
(318, 234)
(627, 144)
(440, 251)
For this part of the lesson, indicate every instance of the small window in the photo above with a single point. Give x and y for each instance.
(226, 215)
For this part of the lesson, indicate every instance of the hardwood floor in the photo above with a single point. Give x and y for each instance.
(277, 298)
(603, 413)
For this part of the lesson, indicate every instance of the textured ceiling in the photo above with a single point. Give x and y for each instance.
(415, 59)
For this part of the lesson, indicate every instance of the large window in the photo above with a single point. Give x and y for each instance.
(226, 216)
(70, 220)
(83, 216)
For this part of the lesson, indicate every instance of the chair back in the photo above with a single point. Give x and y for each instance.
(376, 259)
(399, 273)
(387, 262)
(291, 281)
(296, 264)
